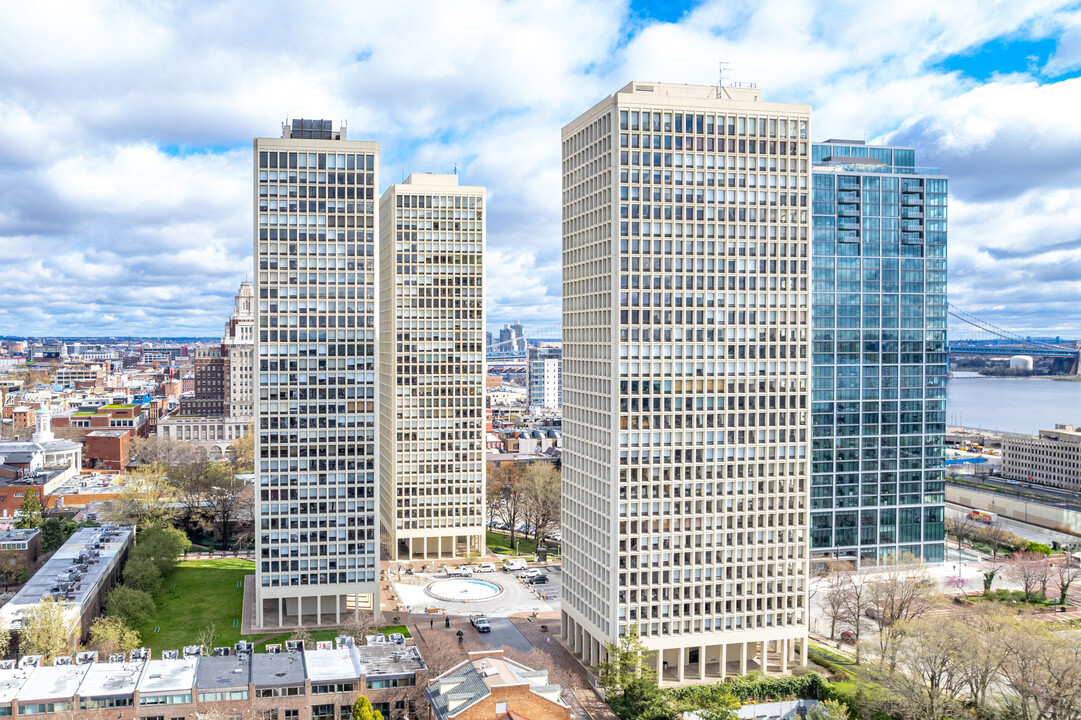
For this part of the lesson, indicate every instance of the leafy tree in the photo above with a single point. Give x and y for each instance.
(142, 573)
(1035, 547)
(625, 663)
(55, 532)
(5, 641)
(363, 710)
(30, 514)
(46, 631)
(641, 699)
(244, 452)
(162, 544)
(132, 606)
(828, 710)
(111, 634)
(12, 567)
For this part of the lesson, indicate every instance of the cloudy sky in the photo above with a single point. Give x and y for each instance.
(126, 127)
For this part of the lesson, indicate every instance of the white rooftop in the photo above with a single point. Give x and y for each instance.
(336, 664)
(171, 676)
(108, 679)
(50, 682)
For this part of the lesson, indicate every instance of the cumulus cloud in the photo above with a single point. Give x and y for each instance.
(125, 132)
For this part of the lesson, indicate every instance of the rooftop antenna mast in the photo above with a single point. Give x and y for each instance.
(720, 80)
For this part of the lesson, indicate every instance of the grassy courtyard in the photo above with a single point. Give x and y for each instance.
(198, 593)
(201, 592)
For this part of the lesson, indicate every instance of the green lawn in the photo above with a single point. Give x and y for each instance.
(200, 592)
(499, 543)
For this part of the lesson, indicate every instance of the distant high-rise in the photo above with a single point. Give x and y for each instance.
(431, 296)
(317, 539)
(686, 324)
(544, 376)
(880, 357)
(237, 345)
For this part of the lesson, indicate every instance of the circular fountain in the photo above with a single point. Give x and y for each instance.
(464, 590)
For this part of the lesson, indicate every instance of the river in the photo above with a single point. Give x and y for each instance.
(1023, 405)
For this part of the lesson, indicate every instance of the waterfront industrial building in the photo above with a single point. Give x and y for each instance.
(1052, 458)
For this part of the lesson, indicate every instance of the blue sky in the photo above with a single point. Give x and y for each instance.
(125, 131)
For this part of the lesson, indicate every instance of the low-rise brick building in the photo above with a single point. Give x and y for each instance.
(488, 686)
(290, 684)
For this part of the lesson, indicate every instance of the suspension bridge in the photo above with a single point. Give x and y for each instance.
(972, 335)
(969, 335)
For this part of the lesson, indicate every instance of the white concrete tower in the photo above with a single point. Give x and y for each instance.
(685, 377)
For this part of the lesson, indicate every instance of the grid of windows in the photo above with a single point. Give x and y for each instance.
(879, 355)
(431, 296)
(315, 364)
(686, 320)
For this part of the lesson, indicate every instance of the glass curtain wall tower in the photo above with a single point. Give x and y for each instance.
(317, 551)
(686, 336)
(879, 355)
(432, 367)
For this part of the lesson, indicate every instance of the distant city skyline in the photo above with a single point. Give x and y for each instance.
(125, 159)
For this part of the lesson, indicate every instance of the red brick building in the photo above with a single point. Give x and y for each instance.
(488, 686)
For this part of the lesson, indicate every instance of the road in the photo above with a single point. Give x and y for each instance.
(505, 634)
(1023, 530)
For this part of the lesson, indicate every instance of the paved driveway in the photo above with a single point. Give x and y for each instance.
(505, 634)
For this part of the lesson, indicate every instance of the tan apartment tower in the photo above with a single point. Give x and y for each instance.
(317, 544)
(431, 387)
(686, 327)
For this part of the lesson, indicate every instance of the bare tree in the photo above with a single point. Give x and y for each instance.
(929, 679)
(981, 655)
(359, 626)
(244, 532)
(146, 497)
(901, 594)
(833, 601)
(1030, 570)
(507, 478)
(1066, 573)
(170, 453)
(541, 498)
(856, 592)
(222, 498)
(962, 527)
(1039, 667)
(208, 638)
(996, 537)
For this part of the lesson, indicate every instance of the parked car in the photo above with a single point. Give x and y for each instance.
(480, 623)
(537, 580)
(514, 565)
(532, 572)
(849, 638)
(485, 568)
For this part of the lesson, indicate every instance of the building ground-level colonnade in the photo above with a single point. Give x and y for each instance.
(698, 662)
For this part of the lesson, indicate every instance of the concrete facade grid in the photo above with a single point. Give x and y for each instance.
(432, 367)
(686, 370)
(316, 423)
